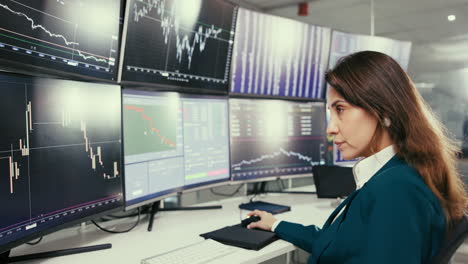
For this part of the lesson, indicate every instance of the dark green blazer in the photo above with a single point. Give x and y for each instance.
(394, 218)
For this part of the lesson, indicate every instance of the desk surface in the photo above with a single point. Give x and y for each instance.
(174, 229)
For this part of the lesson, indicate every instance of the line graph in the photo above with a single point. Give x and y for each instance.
(275, 138)
(273, 155)
(35, 26)
(168, 21)
(53, 35)
(190, 42)
(151, 126)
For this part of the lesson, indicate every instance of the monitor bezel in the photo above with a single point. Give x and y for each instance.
(173, 87)
(323, 91)
(48, 230)
(236, 180)
(162, 194)
(271, 178)
(218, 182)
(154, 197)
(13, 66)
(10, 245)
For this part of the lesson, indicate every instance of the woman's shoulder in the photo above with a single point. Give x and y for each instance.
(396, 172)
(398, 178)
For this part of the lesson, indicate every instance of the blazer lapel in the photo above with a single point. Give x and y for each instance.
(329, 229)
(338, 209)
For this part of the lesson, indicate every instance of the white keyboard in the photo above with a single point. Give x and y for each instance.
(207, 251)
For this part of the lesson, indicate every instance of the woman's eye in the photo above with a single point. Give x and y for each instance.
(339, 109)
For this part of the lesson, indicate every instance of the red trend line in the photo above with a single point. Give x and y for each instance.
(156, 130)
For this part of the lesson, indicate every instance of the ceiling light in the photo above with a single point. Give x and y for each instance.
(451, 18)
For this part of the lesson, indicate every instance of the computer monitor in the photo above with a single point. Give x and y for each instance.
(173, 143)
(275, 138)
(279, 57)
(72, 38)
(60, 155)
(184, 44)
(206, 141)
(343, 44)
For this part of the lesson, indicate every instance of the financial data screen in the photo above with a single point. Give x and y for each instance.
(77, 37)
(275, 137)
(179, 43)
(172, 143)
(60, 158)
(206, 140)
(279, 57)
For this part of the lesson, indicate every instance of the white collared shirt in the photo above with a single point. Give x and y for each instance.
(363, 171)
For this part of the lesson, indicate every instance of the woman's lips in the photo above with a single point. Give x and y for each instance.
(339, 144)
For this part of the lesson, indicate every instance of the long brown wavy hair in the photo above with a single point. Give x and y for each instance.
(376, 83)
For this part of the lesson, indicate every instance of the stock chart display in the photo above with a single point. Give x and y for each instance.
(64, 36)
(60, 157)
(172, 143)
(179, 43)
(153, 144)
(275, 137)
(279, 57)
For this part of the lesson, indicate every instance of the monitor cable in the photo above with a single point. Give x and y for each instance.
(35, 242)
(118, 232)
(144, 210)
(227, 194)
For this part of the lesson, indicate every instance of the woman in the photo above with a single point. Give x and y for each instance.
(408, 189)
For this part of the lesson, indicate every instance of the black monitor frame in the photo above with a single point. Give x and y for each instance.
(17, 242)
(155, 197)
(10, 65)
(236, 180)
(322, 94)
(167, 85)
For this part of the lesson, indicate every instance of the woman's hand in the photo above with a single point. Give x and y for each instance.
(266, 220)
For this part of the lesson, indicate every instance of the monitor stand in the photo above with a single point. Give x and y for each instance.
(4, 257)
(155, 207)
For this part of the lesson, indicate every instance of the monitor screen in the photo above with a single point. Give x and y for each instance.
(60, 154)
(275, 137)
(61, 37)
(172, 143)
(279, 57)
(179, 44)
(346, 43)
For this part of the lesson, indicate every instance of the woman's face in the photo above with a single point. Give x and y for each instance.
(351, 126)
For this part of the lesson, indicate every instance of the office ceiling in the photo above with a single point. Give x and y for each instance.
(437, 43)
